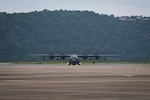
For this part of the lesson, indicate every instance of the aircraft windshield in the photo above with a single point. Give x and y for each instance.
(74, 56)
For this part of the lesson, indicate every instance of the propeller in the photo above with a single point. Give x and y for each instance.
(43, 58)
(96, 56)
(85, 56)
(63, 56)
(51, 56)
(57, 58)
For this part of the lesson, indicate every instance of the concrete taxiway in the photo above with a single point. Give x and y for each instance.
(84, 82)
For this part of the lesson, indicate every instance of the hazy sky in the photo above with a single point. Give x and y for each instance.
(115, 7)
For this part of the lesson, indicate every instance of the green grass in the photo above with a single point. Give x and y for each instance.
(119, 62)
(84, 62)
(42, 62)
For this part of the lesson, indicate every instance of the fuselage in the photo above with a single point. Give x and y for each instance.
(74, 60)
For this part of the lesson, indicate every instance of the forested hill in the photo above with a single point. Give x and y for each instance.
(65, 31)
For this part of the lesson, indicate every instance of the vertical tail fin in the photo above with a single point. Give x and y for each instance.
(74, 52)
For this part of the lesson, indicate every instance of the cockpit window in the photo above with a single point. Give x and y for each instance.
(74, 56)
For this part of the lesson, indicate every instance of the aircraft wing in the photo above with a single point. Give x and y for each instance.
(95, 56)
(52, 56)
(62, 56)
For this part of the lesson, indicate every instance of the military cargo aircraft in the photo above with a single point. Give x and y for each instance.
(74, 59)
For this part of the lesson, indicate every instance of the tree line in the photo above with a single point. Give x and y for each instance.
(63, 31)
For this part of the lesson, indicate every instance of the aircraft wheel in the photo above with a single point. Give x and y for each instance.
(79, 63)
(69, 63)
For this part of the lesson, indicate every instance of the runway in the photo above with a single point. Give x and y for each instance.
(84, 82)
